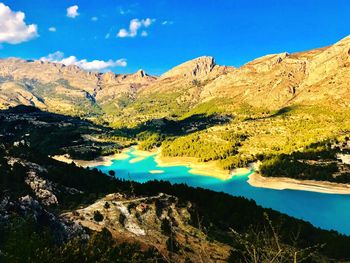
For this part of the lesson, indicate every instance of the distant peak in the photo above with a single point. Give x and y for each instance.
(141, 73)
(207, 62)
(198, 67)
(208, 59)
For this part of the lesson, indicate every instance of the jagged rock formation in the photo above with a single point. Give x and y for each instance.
(316, 76)
(37, 205)
(199, 68)
(43, 189)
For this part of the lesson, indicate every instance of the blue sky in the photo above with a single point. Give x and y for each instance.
(234, 32)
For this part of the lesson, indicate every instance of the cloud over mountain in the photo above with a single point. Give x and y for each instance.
(94, 65)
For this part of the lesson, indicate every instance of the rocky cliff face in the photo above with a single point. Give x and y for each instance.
(313, 77)
(112, 86)
(319, 76)
(199, 68)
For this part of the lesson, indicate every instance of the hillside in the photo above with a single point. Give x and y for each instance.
(51, 134)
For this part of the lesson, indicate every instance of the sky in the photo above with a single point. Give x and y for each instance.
(156, 35)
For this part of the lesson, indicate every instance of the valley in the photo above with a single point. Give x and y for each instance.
(71, 174)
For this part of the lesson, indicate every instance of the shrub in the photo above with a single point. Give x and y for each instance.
(122, 219)
(98, 217)
(166, 227)
(111, 173)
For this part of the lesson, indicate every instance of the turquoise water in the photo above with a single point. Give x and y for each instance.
(327, 211)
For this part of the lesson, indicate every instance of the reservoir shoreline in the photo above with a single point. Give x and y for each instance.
(284, 183)
(212, 170)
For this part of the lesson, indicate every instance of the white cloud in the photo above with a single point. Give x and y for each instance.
(135, 25)
(94, 65)
(147, 22)
(52, 29)
(124, 33)
(72, 11)
(94, 18)
(13, 29)
(123, 11)
(107, 36)
(167, 22)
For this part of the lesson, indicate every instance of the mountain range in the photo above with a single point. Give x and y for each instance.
(319, 76)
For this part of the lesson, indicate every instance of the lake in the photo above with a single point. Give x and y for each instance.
(327, 211)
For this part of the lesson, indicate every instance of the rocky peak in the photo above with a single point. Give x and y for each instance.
(108, 76)
(196, 68)
(141, 73)
(140, 76)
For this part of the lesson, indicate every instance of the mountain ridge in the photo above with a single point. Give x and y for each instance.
(312, 77)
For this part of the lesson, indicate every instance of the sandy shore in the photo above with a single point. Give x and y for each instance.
(156, 171)
(282, 183)
(207, 169)
(103, 160)
(141, 155)
(107, 160)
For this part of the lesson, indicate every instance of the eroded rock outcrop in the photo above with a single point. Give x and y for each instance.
(199, 68)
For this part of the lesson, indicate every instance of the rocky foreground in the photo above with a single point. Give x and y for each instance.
(155, 220)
